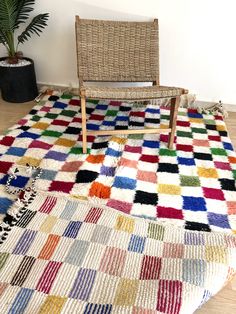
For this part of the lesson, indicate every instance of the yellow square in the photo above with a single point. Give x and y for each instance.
(52, 305)
(196, 120)
(29, 160)
(48, 224)
(40, 125)
(126, 292)
(169, 189)
(207, 172)
(119, 140)
(221, 128)
(124, 224)
(216, 254)
(65, 142)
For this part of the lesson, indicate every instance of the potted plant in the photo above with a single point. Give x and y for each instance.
(17, 74)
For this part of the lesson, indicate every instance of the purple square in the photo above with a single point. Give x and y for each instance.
(218, 220)
(108, 171)
(56, 155)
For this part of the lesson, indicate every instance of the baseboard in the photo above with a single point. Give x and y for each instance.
(75, 90)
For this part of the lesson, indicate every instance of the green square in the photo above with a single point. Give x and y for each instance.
(182, 113)
(93, 101)
(66, 96)
(199, 130)
(209, 121)
(156, 231)
(68, 113)
(218, 151)
(234, 174)
(111, 113)
(135, 136)
(184, 134)
(165, 117)
(51, 116)
(189, 181)
(51, 133)
(78, 150)
(167, 152)
(35, 118)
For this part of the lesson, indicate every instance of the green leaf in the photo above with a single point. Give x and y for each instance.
(24, 7)
(35, 27)
(8, 13)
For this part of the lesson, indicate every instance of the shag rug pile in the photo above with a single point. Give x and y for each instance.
(76, 241)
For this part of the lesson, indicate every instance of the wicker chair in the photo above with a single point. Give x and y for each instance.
(114, 51)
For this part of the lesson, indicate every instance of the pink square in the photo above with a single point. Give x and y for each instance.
(222, 165)
(45, 108)
(215, 194)
(147, 176)
(203, 143)
(128, 163)
(119, 205)
(173, 250)
(40, 144)
(113, 261)
(231, 208)
(72, 166)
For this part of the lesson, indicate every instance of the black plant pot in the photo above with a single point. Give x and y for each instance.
(18, 84)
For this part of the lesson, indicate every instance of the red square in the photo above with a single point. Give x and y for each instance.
(74, 102)
(149, 158)
(140, 114)
(169, 296)
(214, 194)
(79, 120)
(133, 149)
(93, 215)
(97, 117)
(151, 267)
(5, 166)
(184, 148)
(214, 138)
(60, 122)
(183, 123)
(169, 212)
(61, 186)
(40, 144)
(7, 140)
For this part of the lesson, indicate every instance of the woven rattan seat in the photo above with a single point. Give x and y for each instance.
(117, 51)
(131, 93)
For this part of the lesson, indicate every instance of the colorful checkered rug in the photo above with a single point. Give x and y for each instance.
(71, 247)
(64, 256)
(193, 186)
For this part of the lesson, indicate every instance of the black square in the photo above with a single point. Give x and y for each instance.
(146, 198)
(33, 111)
(89, 110)
(223, 133)
(100, 145)
(73, 130)
(121, 127)
(86, 176)
(211, 127)
(136, 123)
(227, 184)
(150, 120)
(26, 218)
(202, 156)
(197, 226)
(24, 128)
(165, 167)
(124, 108)
(53, 98)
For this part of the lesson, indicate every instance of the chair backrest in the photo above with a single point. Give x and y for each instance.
(115, 51)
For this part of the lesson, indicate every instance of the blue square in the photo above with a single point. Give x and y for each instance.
(136, 244)
(194, 203)
(72, 229)
(5, 204)
(113, 152)
(228, 146)
(109, 123)
(4, 179)
(122, 118)
(151, 144)
(124, 183)
(195, 115)
(91, 126)
(102, 107)
(28, 135)
(59, 105)
(186, 161)
(16, 151)
(152, 110)
(48, 175)
(19, 182)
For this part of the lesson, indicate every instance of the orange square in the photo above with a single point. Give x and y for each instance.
(95, 159)
(232, 159)
(147, 176)
(99, 190)
(65, 142)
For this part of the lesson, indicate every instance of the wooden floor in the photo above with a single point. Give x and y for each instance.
(225, 301)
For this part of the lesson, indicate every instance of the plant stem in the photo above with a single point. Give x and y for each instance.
(11, 45)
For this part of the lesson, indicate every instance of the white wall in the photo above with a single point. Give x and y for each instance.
(197, 41)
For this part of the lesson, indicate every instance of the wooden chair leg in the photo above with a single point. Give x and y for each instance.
(173, 117)
(84, 128)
